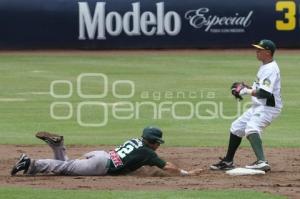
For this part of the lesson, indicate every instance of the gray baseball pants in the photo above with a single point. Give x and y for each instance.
(93, 163)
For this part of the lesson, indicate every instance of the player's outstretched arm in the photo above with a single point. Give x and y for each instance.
(172, 168)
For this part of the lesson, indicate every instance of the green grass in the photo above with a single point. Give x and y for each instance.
(14, 193)
(25, 104)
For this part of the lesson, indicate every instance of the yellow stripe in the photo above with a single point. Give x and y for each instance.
(257, 46)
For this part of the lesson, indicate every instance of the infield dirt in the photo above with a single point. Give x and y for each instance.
(284, 179)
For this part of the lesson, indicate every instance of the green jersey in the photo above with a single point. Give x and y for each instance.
(132, 155)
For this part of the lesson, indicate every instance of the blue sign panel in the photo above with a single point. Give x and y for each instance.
(126, 24)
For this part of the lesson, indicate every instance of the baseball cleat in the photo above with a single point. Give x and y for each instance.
(259, 165)
(50, 138)
(222, 165)
(22, 164)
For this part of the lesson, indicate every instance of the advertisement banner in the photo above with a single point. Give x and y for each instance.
(128, 24)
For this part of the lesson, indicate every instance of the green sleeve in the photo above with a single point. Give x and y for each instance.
(157, 161)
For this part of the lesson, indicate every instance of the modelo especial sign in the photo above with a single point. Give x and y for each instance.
(126, 24)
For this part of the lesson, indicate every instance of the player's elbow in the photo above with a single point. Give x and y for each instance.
(263, 94)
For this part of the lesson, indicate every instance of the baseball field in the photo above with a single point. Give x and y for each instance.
(97, 100)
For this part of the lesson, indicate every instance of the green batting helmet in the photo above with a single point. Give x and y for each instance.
(153, 134)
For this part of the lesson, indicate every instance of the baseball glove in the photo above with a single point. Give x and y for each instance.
(236, 88)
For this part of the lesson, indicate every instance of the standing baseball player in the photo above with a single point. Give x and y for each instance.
(266, 106)
(132, 155)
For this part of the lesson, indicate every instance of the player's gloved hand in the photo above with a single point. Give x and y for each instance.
(238, 89)
(243, 91)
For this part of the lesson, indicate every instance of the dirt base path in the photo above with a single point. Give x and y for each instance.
(284, 179)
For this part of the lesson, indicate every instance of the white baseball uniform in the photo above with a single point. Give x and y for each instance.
(262, 111)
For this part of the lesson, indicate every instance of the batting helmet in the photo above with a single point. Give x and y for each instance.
(153, 134)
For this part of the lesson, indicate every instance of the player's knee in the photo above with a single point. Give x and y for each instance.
(233, 129)
(249, 132)
(239, 133)
(236, 130)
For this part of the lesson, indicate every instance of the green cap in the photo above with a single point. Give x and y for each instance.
(266, 44)
(151, 133)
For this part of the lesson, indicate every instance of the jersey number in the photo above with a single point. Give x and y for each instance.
(128, 147)
(125, 151)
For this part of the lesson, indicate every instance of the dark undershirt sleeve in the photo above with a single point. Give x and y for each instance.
(157, 161)
(263, 94)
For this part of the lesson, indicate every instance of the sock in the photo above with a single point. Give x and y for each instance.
(234, 143)
(60, 153)
(256, 145)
